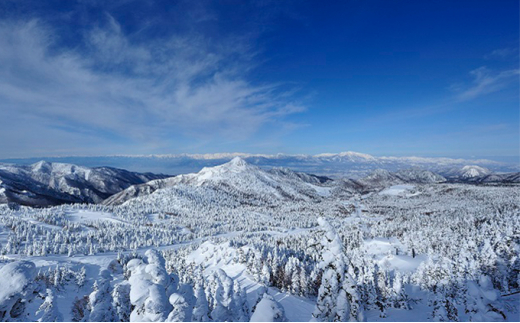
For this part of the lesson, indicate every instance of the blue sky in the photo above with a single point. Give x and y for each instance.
(424, 78)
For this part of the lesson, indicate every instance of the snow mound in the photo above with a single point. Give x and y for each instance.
(268, 310)
(391, 254)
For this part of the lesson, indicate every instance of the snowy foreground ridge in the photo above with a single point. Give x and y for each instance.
(239, 243)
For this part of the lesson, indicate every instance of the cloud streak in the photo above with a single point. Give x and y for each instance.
(117, 89)
(502, 53)
(486, 81)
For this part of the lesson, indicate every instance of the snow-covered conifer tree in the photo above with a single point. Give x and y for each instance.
(100, 300)
(121, 301)
(201, 310)
(223, 297)
(337, 288)
(49, 309)
(240, 305)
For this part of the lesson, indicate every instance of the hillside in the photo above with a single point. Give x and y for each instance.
(44, 183)
(237, 177)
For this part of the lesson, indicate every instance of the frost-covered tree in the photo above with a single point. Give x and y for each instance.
(187, 293)
(223, 310)
(265, 276)
(81, 277)
(482, 302)
(337, 295)
(240, 305)
(49, 309)
(121, 301)
(149, 283)
(201, 310)
(101, 301)
(181, 311)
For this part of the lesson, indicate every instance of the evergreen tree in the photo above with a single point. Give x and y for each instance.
(100, 300)
(49, 309)
(121, 302)
(337, 288)
(201, 310)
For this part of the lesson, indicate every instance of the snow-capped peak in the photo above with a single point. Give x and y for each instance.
(237, 162)
(236, 165)
(41, 166)
(470, 171)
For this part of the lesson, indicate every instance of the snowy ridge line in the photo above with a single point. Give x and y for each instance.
(43, 183)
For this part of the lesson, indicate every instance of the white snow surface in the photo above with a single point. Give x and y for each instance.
(15, 277)
(392, 254)
(397, 190)
(83, 216)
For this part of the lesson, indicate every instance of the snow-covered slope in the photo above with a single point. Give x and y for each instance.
(309, 178)
(382, 178)
(493, 178)
(479, 175)
(43, 183)
(420, 176)
(236, 177)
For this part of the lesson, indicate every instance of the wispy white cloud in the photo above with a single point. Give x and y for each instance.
(486, 81)
(117, 88)
(503, 53)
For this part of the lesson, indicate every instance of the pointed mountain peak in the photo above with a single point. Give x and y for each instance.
(42, 165)
(235, 165)
(470, 171)
(237, 162)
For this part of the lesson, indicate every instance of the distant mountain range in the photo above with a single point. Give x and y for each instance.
(345, 164)
(44, 183)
